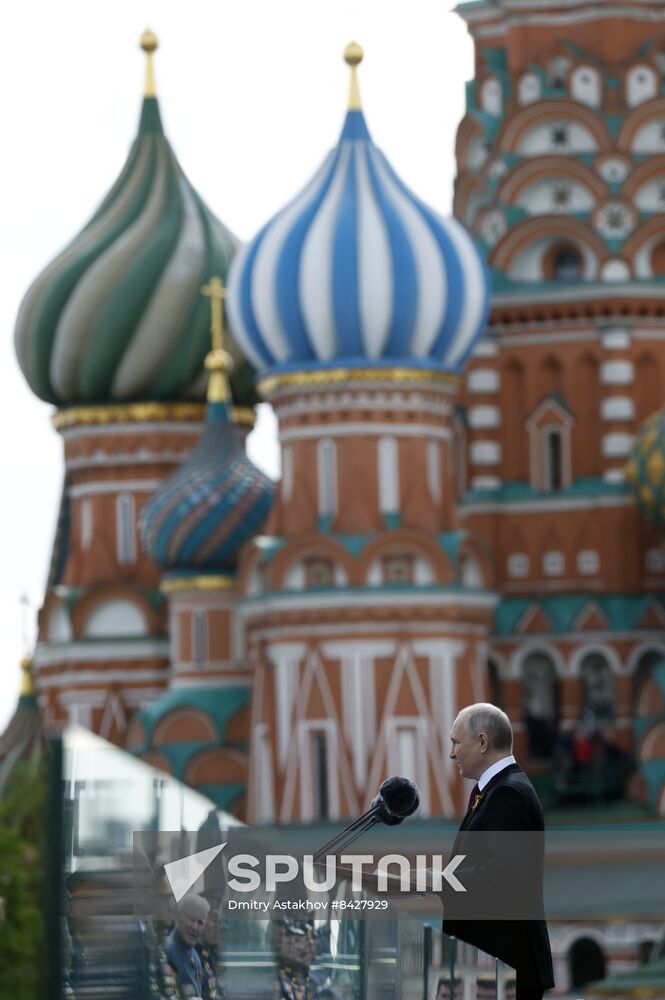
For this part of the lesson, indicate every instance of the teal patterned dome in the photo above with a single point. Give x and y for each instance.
(645, 471)
(117, 316)
(199, 518)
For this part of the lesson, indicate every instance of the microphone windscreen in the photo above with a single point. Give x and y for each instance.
(382, 813)
(400, 796)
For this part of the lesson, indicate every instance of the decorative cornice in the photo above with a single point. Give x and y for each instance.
(336, 376)
(180, 584)
(142, 413)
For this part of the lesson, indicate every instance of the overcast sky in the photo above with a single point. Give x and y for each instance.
(252, 96)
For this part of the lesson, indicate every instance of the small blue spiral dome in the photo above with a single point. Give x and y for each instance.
(357, 269)
(200, 517)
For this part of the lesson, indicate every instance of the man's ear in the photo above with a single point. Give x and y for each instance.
(484, 742)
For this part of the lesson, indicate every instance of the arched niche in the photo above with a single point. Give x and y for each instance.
(115, 618)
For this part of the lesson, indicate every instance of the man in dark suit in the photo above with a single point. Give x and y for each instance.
(505, 868)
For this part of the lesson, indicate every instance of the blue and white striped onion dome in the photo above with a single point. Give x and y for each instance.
(357, 269)
(201, 516)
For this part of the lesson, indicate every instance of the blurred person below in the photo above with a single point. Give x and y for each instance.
(181, 952)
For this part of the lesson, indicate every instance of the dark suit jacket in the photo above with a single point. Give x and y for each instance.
(504, 868)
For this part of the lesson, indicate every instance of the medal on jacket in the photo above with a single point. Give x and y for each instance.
(476, 802)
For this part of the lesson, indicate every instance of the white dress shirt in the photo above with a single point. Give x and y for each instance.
(493, 769)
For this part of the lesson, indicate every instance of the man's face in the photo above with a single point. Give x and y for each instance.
(466, 751)
(191, 921)
(211, 929)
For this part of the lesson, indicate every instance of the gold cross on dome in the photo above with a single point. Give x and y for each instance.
(216, 292)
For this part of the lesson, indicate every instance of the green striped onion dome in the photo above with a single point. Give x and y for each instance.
(645, 470)
(118, 315)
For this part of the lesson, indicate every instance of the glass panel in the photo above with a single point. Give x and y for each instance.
(111, 914)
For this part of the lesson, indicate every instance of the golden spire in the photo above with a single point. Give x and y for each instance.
(149, 43)
(27, 685)
(218, 361)
(353, 55)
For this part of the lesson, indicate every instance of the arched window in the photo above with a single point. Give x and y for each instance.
(326, 454)
(59, 627)
(541, 703)
(641, 85)
(470, 572)
(552, 458)
(115, 618)
(587, 962)
(388, 476)
(557, 71)
(598, 688)
(647, 699)
(566, 264)
(125, 525)
(434, 482)
(287, 472)
(86, 523)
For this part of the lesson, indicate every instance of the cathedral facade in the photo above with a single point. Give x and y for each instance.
(471, 497)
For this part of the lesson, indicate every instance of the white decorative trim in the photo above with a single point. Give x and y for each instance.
(388, 475)
(588, 562)
(518, 565)
(615, 338)
(617, 445)
(485, 453)
(615, 475)
(536, 646)
(287, 472)
(363, 430)
(433, 630)
(483, 380)
(434, 472)
(101, 459)
(115, 486)
(484, 416)
(125, 529)
(407, 402)
(486, 348)
(73, 678)
(620, 372)
(86, 515)
(654, 560)
(540, 470)
(588, 649)
(306, 729)
(485, 483)
(563, 337)
(617, 408)
(213, 682)
(50, 654)
(409, 597)
(190, 428)
(554, 563)
(544, 503)
(326, 467)
(262, 784)
(649, 646)
(286, 658)
(357, 658)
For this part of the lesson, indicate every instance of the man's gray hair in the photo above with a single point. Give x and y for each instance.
(487, 718)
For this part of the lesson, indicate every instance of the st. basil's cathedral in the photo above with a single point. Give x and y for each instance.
(472, 491)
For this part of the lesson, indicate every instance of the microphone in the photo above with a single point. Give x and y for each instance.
(398, 798)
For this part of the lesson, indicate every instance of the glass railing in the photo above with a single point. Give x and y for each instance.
(111, 908)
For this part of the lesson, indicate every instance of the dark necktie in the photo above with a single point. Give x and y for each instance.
(472, 798)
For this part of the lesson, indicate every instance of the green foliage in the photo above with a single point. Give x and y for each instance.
(21, 883)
